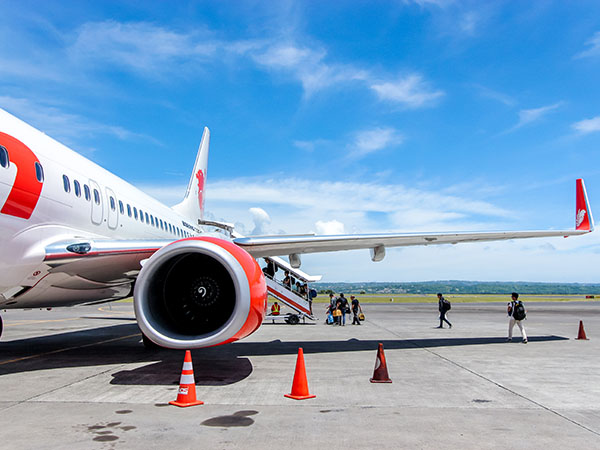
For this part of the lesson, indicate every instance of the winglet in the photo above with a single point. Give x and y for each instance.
(583, 213)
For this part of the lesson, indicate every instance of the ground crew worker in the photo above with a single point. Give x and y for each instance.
(275, 308)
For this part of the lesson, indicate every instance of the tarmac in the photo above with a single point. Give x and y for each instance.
(80, 377)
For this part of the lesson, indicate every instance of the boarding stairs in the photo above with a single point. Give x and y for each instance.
(285, 295)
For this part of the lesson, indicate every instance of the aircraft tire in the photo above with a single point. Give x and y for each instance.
(293, 319)
(148, 344)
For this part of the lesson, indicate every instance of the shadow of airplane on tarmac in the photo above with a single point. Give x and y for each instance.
(213, 366)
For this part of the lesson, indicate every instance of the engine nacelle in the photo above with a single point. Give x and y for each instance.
(200, 292)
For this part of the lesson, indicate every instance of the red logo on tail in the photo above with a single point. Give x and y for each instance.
(26, 190)
(582, 216)
(200, 177)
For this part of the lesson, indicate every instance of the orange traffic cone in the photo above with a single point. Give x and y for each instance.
(186, 395)
(581, 335)
(380, 374)
(300, 384)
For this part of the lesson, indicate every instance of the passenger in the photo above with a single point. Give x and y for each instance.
(344, 308)
(337, 312)
(287, 281)
(275, 309)
(332, 299)
(444, 307)
(295, 286)
(269, 270)
(356, 308)
(516, 313)
(330, 319)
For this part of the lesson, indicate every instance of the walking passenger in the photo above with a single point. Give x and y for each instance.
(516, 314)
(344, 308)
(444, 306)
(356, 308)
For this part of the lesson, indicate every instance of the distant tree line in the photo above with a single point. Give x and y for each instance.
(458, 287)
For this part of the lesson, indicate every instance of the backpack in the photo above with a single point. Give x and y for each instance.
(519, 311)
(446, 305)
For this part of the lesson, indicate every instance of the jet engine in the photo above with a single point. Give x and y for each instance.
(199, 292)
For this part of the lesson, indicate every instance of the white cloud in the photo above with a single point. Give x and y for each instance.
(55, 122)
(529, 116)
(154, 51)
(587, 125)
(593, 47)
(139, 46)
(469, 21)
(410, 91)
(329, 227)
(370, 141)
(301, 206)
(261, 220)
(495, 95)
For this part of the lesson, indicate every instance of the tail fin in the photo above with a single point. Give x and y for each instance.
(583, 212)
(192, 205)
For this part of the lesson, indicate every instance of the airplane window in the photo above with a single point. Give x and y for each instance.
(66, 184)
(147, 220)
(112, 203)
(96, 196)
(162, 224)
(77, 187)
(39, 170)
(141, 215)
(86, 191)
(170, 229)
(135, 213)
(151, 220)
(128, 209)
(4, 161)
(121, 207)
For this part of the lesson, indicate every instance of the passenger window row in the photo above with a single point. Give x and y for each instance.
(132, 212)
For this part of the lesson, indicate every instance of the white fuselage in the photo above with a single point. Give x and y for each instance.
(78, 200)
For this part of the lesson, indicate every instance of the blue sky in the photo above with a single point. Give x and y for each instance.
(330, 117)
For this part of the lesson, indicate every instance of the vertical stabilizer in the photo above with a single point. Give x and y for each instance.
(192, 205)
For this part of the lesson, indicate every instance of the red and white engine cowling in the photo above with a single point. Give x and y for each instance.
(199, 292)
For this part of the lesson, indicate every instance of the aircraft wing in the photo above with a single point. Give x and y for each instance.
(262, 246)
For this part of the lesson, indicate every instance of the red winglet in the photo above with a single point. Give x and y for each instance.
(583, 213)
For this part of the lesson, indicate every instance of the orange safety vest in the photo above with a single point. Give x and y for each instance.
(275, 309)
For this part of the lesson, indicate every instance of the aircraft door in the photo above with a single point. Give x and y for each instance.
(97, 203)
(112, 208)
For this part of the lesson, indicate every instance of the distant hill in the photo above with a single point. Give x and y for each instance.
(459, 287)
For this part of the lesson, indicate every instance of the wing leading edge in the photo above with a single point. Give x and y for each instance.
(295, 245)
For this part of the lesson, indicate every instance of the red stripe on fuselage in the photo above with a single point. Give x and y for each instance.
(26, 189)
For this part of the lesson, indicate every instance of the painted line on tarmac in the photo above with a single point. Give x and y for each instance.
(416, 345)
(24, 358)
(28, 322)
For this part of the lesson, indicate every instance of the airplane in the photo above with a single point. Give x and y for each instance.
(72, 233)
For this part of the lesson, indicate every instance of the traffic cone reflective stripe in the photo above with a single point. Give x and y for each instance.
(581, 335)
(300, 383)
(380, 374)
(186, 395)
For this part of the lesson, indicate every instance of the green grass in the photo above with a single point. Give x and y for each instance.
(456, 298)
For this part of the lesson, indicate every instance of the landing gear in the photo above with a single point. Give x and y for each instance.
(148, 344)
